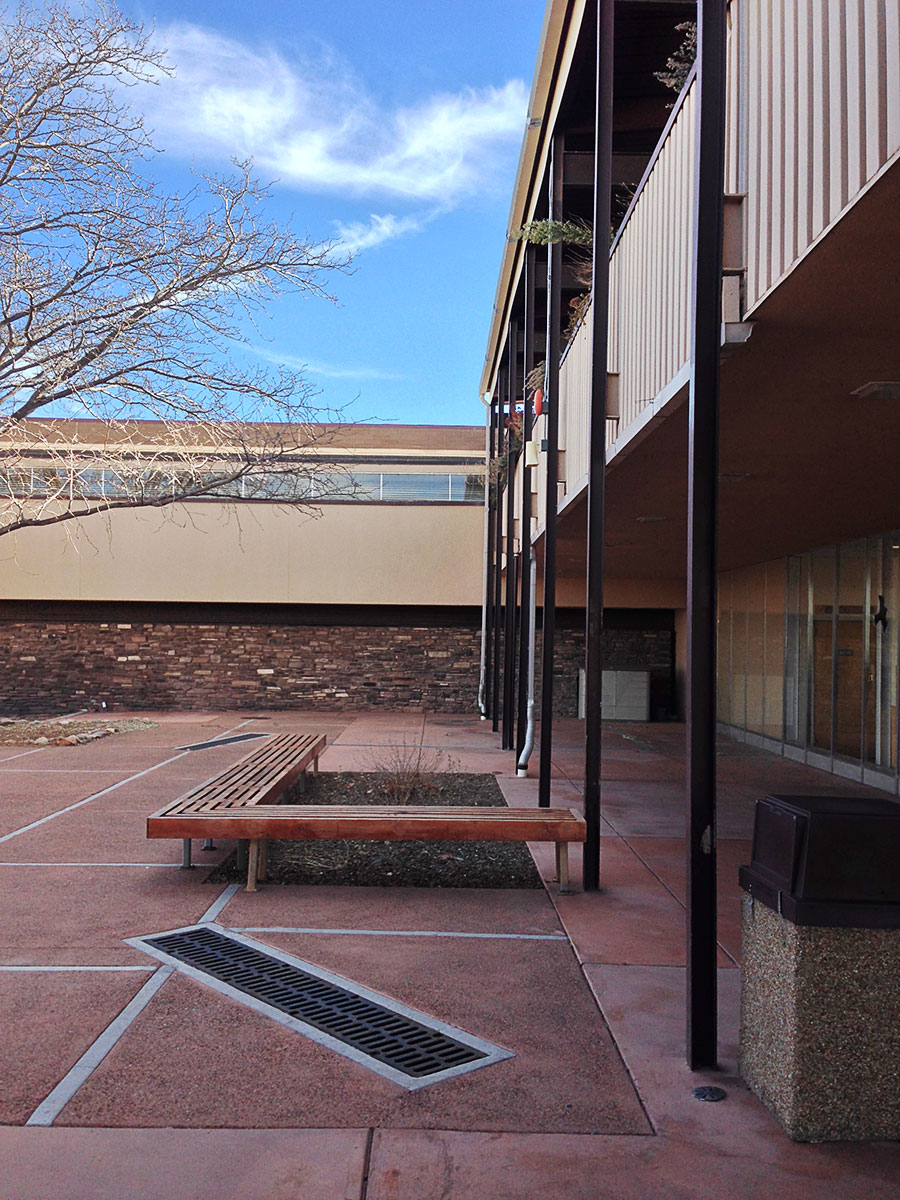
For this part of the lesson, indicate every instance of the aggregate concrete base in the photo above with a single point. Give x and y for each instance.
(820, 1026)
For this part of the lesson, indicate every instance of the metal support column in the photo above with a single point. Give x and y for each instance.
(703, 451)
(597, 471)
(498, 559)
(509, 636)
(490, 632)
(525, 513)
(554, 303)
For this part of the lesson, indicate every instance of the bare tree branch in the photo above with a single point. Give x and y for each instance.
(122, 303)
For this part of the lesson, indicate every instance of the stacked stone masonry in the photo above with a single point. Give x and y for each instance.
(55, 665)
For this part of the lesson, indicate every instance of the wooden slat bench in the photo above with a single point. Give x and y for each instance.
(259, 823)
(241, 803)
(258, 778)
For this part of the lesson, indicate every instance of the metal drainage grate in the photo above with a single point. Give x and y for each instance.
(238, 737)
(397, 1042)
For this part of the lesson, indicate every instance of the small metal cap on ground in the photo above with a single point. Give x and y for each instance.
(707, 1092)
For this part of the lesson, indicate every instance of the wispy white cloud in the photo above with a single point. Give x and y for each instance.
(325, 370)
(365, 235)
(313, 124)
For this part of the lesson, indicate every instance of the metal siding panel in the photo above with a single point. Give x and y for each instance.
(754, 138)
(836, 117)
(875, 73)
(790, 165)
(819, 123)
(892, 65)
(776, 141)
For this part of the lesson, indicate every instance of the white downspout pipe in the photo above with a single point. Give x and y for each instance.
(522, 764)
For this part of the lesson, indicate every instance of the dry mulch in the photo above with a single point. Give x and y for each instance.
(64, 731)
(396, 864)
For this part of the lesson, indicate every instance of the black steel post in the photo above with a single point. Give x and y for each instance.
(593, 658)
(525, 513)
(508, 739)
(703, 452)
(489, 647)
(554, 304)
(498, 557)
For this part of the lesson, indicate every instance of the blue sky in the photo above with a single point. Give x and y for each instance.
(395, 127)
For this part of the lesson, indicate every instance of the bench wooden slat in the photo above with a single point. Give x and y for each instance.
(258, 776)
(299, 822)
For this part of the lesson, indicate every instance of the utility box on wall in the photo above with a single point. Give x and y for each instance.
(626, 695)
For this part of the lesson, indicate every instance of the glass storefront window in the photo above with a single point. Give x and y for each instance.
(821, 665)
(774, 651)
(796, 658)
(883, 620)
(849, 650)
(756, 641)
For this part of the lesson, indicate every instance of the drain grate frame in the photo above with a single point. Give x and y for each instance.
(410, 1048)
(226, 741)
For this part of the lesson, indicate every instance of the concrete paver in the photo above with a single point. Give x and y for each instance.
(466, 910)
(202, 1048)
(183, 1164)
(55, 908)
(57, 1016)
(193, 1058)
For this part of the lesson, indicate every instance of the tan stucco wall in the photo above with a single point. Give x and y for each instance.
(620, 593)
(350, 554)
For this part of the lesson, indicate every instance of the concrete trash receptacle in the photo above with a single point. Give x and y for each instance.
(820, 991)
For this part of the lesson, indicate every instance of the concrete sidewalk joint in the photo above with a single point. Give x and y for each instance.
(50, 1108)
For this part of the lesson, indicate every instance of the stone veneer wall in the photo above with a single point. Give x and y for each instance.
(70, 660)
(54, 665)
(623, 650)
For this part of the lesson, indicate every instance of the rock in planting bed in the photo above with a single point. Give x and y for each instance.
(64, 731)
(396, 864)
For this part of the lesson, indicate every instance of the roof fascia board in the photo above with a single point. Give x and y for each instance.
(559, 36)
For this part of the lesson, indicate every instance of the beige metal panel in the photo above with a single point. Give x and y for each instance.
(838, 132)
(855, 89)
(818, 84)
(751, 150)
(575, 397)
(613, 339)
(802, 224)
(352, 554)
(792, 116)
(540, 503)
(823, 108)
(891, 111)
(874, 116)
(777, 142)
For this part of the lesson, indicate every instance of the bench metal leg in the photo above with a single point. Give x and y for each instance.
(186, 864)
(262, 869)
(253, 865)
(208, 844)
(562, 867)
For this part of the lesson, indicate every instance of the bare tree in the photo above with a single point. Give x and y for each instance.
(121, 303)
